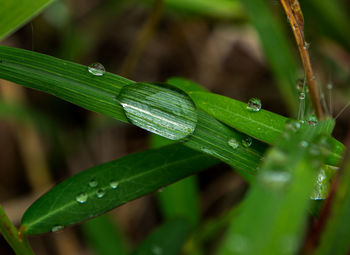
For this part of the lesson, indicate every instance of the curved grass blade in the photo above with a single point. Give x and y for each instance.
(335, 239)
(104, 236)
(167, 239)
(280, 194)
(72, 82)
(104, 187)
(14, 13)
(262, 125)
(278, 50)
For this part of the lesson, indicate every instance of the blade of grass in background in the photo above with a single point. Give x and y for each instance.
(335, 239)
(14, 13)
(73, 83)
(277, 49)
(106, 186)
(104, 236)
(167, 239)
(224, 9)
(328, 18)
(179, 200)
(276, 205)
(263, 125)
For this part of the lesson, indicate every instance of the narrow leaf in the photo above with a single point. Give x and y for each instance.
(106, 186)
(14, 13)
(262, 125)
(74, 83)
(335, 239)
(167, 239)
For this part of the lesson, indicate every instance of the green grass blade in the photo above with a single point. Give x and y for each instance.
(263, 125)
(106, 186)
(277, 49)
(276, 205)
(104, 236)
(224, 9)
(72, 82)
(14, 13)
(335, 239)
(167, 239)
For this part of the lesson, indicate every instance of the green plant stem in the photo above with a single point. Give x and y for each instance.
(18, 243)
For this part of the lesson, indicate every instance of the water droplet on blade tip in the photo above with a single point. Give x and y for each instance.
(254, 104)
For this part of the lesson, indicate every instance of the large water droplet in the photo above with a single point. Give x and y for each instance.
(321, 186)
(233, 143)
(81, 198)
(100, 193)
(93, 183)
(114, 184)
(160, 109)
(301, 95)
(96, 69)
(247, 142)
(254, 104)
(56, 228)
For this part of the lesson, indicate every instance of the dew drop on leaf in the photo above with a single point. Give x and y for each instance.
(233, 143)
(96, 69)
(312, 120)
(56, 228)
(247, 142)
(275, 179)
(156, 250)
(100, 193)
(81, 198)
(304, 144)
(301, 95)
(160, 109)
(114, 184)
(93, 183)
(254, 105)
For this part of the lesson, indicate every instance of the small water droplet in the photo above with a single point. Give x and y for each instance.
(254, 104)
(292, 125)
(233, 143)
(300, 85)
(81, 198)
(301, 95)
(56, 228)
(247, 142)
(100, 193)
(93, 183)
(161, 190)
(312, 120)
(114, 184)
(97, 69)
(304, 144)
(306, 45)
(157, 250)
(330, 86)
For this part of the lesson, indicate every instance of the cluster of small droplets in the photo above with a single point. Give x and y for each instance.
(254, 104)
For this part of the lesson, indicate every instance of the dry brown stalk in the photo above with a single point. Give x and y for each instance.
(296, 20)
